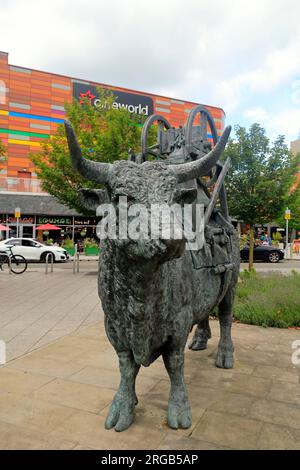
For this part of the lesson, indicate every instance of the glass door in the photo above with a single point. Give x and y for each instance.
(26, 231)
(12, 231)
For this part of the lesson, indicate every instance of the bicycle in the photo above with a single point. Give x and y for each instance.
(17, 263)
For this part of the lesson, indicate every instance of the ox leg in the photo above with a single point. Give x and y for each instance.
(225, 347)
(201, 336)
(121, 412)
(179, 414)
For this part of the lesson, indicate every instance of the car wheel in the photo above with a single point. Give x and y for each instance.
(273, 257)
(44, 256)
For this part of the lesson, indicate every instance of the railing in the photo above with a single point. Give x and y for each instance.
(20, 185)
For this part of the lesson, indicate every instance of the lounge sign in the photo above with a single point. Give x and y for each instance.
(54, 220)
(136, 104)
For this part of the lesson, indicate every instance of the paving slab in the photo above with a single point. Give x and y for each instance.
(62, 374)
(57, 396)
(37, 309)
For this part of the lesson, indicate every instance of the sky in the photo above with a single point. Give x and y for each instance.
(242, 56)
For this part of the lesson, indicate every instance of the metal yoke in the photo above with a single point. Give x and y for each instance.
(185, 144)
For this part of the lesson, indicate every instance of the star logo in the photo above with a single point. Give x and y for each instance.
(88, 95)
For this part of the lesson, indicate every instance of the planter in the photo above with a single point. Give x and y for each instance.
(71, 251)
(93, 251)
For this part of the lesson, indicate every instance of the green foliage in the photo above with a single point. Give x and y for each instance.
(261, 176)
(90, 243)
(292, 201)
(3, 156)
(105, 134)
(243, 241)
(268, 300)
(277, 236)
(68, 243)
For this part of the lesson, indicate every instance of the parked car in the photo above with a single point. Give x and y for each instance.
(267, 253)
(33, 250)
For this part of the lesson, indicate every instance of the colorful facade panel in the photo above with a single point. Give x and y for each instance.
(32, 104)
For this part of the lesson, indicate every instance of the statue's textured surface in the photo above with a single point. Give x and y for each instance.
(152, 291)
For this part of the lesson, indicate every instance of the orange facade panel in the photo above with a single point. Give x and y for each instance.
(60, 100)
(20, 79)
(17, 151)
(42, 83)
(4, 73)
(18, 127)
(60, 92)
(45, 104)
(24, 87)
(37, 99)
(20, 163)
(37, 90)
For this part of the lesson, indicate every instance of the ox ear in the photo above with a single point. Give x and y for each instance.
(92, 198)
(186, 195)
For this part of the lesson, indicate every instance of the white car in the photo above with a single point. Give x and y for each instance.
(33, 250)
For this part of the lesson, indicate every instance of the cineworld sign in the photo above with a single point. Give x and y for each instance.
(136, 104)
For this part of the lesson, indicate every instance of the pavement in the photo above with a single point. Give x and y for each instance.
(62, 374)
(37, 308)
(283, 267)
(57, 397)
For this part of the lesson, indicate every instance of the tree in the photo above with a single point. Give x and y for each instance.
(104, 134)
(292, 201)
(2, 151)
(260, 179)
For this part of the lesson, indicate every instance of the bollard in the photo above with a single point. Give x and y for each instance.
(47, 262)
(76, 260)
(9, 264)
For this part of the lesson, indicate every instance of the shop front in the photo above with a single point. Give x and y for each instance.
(76, 228)
(24, 227)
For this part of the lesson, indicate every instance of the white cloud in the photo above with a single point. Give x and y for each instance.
(295, 97)
(257, 114)
(284, 122)
(287, 122)
(231, 53)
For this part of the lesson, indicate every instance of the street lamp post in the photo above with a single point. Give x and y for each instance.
(17, 216)
(287, 216)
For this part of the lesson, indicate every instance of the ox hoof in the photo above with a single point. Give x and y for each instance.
(224, 359)
(198, 344)
(179, 416)
(121, 414)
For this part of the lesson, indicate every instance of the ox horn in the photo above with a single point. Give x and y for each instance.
(95, 171)
(201, 167)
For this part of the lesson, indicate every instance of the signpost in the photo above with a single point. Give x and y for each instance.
(287, 216)
(17, 216)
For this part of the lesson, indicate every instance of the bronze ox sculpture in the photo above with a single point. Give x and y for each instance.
(154, 291)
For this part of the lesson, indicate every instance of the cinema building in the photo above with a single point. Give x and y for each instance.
(31, 106)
